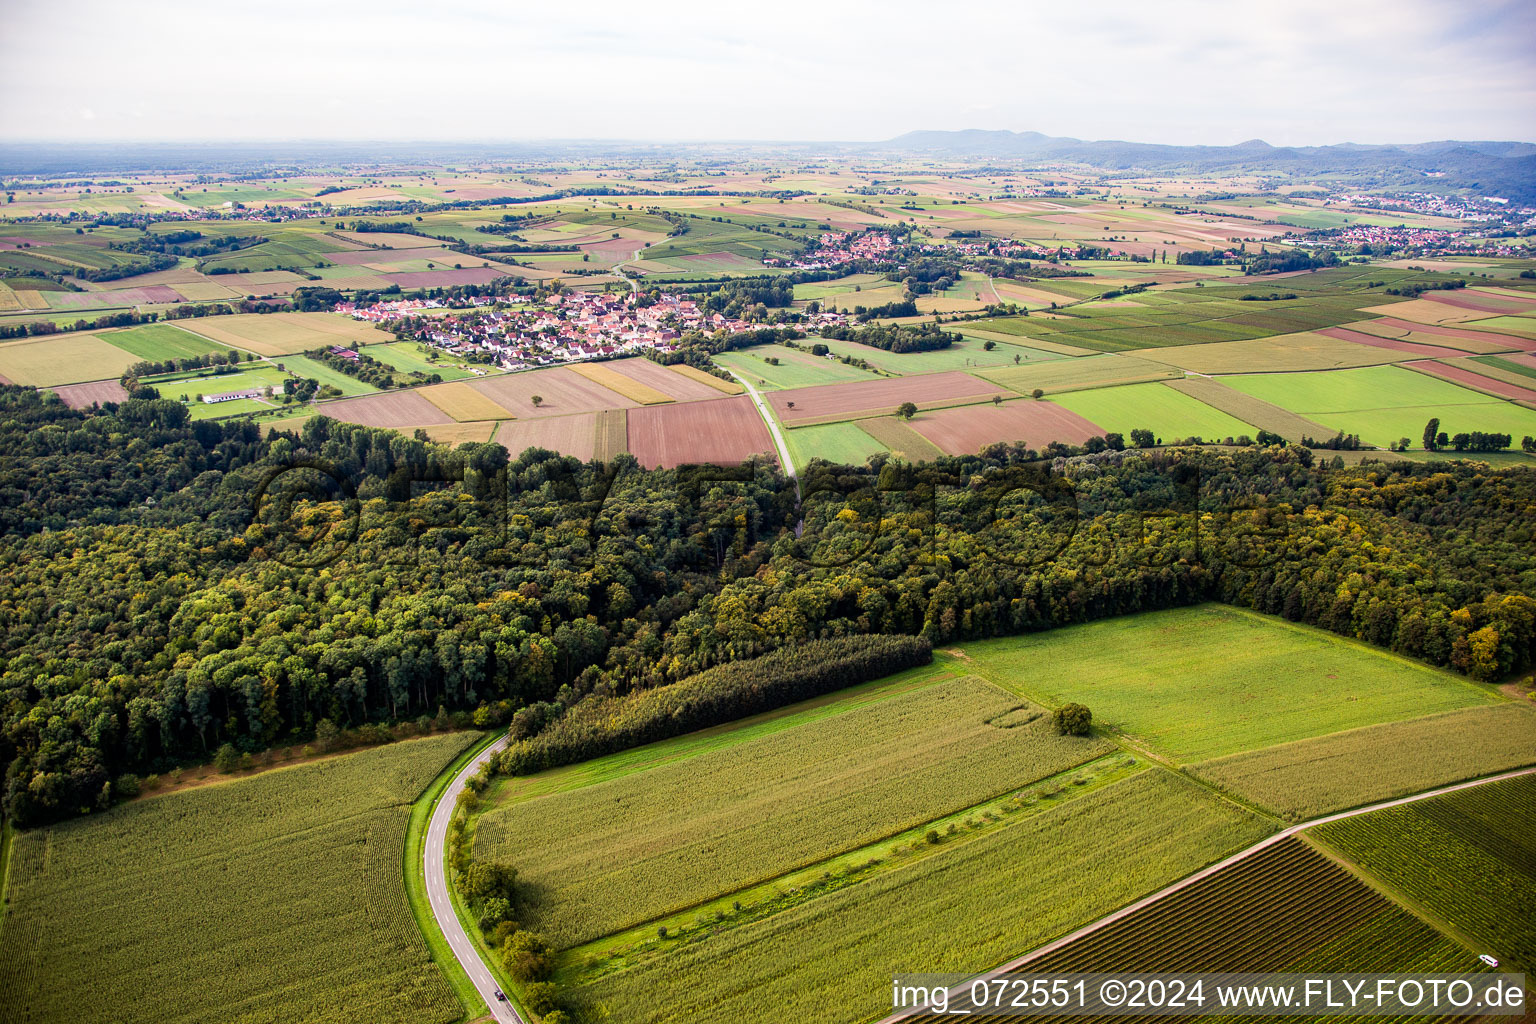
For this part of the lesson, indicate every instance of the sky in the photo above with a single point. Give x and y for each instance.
(1302, 72)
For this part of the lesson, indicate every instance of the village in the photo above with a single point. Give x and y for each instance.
(515, 333)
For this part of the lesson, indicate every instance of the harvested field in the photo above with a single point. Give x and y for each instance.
(1472, 379)
(1390, 344)
(680, 386)
(611, 436)
(1312, 777)
(1482, 302)
(394, 409)
(464, 403)
(277, 334)
(1281, 909)
(1453, 337)
(623, 383)
(723, 431)
(568, 435)
(458, 433)
(693, 373)
(1421, 311)
(83, 396)
(62, 359)
(1095, 371)
(901, 439)
(966, 429)
(562, 391)
(831, 402)
(1261, 414)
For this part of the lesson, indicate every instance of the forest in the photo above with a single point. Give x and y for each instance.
(172, 586)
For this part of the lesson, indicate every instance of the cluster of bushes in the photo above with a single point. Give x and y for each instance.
(203, 361)
(1418, 288)
(603, 725)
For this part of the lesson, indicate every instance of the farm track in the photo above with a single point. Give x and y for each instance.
(1182, 884)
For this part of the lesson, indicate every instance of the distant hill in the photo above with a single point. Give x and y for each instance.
(1494, 168)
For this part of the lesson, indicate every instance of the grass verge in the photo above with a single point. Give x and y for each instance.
(416, 885)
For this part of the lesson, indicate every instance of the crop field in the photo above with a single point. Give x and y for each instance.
(1076, 374)
(624, 384)
(410, 357)
(390, 409)
(622, 852)
(964, 430)
(83, 396)
(277, 334)
(569, 435)
(296, 870)
(1202, 682)
(1287, 908)
(610, 436)
(1248, 409)
(844, 443)
(723, 431)
(1514, 367)
(464, 403)
(693, 373)
(560, 390)
(62, 359)
(1469, 857)
(1308, 778)
(1523, 326)
(1384, 403)
(1188, 317)
(160, 342)
(858, 399)
(1407, 348)
(979, 901)
(794, 369)
(1449, 335)
(900, 438)
(1469, 378)
(459, 433)
(1166, 412)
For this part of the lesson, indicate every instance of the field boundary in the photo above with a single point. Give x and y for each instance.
(1205, 872)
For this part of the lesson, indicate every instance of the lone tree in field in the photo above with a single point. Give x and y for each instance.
(537, 400)
(1037, 394)
(1073, 720)
(906, 410)
(1431, 429)
(997, 399)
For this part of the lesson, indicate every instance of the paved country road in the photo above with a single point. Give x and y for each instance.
(435, 855)
(1088, 929)
(773, 426)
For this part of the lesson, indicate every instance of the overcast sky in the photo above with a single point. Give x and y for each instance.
(1180, 71)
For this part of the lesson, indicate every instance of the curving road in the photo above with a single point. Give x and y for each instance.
(1108, 919)
(436, 866)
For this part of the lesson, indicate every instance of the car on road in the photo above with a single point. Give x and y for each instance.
(501, 996)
